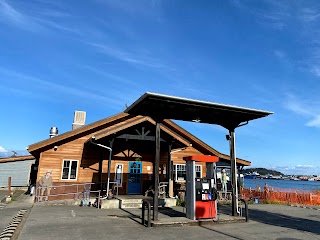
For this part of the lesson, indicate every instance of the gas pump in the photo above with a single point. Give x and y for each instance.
(201, 193)
(206, 196)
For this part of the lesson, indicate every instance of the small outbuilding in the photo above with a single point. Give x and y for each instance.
(21, 169)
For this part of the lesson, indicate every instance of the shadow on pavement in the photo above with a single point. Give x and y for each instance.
(171, 212)
(282, 220)
(222, 233)
(278, 219)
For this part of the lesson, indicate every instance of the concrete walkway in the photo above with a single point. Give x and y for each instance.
(73, 222)
(10, 210)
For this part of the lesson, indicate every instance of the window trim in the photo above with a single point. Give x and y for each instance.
(175, 171)
(77, 170)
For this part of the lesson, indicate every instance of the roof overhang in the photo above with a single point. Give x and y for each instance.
(17, 158)
(159, 107)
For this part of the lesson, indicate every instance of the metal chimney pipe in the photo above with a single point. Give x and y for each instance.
(53, 132)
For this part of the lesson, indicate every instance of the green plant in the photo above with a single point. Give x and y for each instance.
(180, 203)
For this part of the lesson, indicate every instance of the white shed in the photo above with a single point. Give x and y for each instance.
(18, 168)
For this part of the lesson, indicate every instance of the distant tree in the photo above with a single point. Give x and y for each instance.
(261, 171)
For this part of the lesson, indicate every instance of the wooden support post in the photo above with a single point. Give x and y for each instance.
(156, 174)
(233, 173)
(100, 168)
(169, 170)
(9, 186)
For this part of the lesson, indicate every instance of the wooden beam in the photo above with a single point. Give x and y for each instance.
(156, 174)
(139, 137)
(119, 127)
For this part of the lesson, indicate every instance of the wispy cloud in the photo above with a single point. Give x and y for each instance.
(300, 169)
(280, 54)
(309, 14)
(300, 19)
(13, 16)
(41, 19)
(307, 109)
(117, 79)
(3, 150)
(136, 58)
(145, 8)
(58, 88)
(275, 14)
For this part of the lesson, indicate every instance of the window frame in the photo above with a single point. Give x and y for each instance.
(69, 171)
(115, 173)
(176, 175)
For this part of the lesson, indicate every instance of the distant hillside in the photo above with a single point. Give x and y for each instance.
(262, 171)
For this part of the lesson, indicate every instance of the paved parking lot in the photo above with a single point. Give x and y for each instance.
(73, 222)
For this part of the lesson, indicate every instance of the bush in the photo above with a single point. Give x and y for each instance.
(180, 203)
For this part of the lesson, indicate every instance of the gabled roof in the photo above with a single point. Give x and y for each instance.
(116, 123)
(160, 106)
(17, 158)
(134, 121)
(87, 129)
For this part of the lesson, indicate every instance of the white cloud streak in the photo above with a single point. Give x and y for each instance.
(309, 14)
(300, 169)
(300, 18)
(136, 58)
(11, 15)
(58, 88)
(310, 109)
(3, 150)
(39, 21)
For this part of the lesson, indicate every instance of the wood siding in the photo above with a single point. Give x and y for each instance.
(88, 158)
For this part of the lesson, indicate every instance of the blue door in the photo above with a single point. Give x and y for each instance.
(134, 177)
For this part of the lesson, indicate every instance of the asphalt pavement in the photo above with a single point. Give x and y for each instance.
(73, 222)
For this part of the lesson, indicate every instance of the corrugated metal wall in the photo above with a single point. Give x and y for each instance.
(19, 172)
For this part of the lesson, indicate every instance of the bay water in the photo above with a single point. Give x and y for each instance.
(285, 185)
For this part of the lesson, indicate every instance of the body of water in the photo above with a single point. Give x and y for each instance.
(283, 184)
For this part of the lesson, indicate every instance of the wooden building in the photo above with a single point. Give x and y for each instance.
(82, 155)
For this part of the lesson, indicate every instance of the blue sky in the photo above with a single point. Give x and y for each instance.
(96, 56)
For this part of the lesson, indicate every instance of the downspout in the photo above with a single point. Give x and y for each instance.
(109, 160)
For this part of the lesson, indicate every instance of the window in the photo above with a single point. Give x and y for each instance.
(198, 171)
(179, 172)
(69, 169)
(118, 174)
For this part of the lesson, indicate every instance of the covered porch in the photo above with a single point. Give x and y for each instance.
(123, 157)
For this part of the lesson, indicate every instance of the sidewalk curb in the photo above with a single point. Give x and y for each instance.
(306, 207)
(8, 232)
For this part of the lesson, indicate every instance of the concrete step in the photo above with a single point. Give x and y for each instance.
(131, 203)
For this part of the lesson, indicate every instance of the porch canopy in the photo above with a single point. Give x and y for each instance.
(159, 107)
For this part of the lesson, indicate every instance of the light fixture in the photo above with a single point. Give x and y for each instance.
(197, 120)
(228, 137)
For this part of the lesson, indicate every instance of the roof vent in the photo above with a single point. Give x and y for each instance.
(53, 132)
(79, 119)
